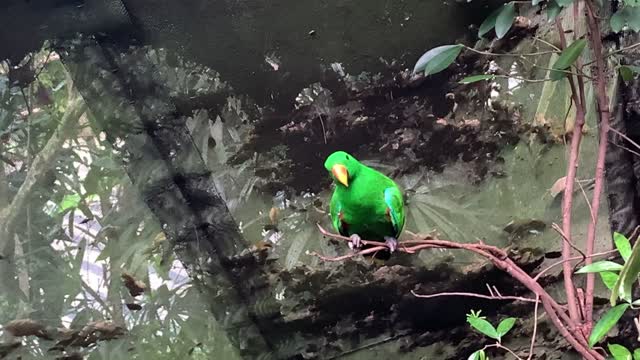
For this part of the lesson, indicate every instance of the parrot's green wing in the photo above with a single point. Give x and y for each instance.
(393, 199)
(336, 219)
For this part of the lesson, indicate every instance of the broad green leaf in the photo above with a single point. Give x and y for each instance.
(628, 276)
(567, 58)
(69, 202)
(489, 23)
(553, 9)
(505, 325)
(609, 279)
(636, 354)
(617, 21)
(627, 72)
(504, 21)
(629, 15)
(483, 326)
(608, 321)
(478, 355)
(437, 59)
(619, 352)
(476, 78)
(622, 243)
(600, 266)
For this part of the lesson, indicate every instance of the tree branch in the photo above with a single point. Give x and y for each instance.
(42, 163)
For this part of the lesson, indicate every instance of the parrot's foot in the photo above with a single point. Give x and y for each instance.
(391, 242)
(356, 241)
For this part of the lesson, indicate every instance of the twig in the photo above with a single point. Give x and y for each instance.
(537, 277)
(603, 106)
(535, 328)
(564, 237)
(567, 200)
(468, 294)
(500, 346)
(41, 163)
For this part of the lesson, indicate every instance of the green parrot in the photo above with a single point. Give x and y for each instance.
(365, 204)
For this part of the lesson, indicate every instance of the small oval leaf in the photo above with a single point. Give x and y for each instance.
(608, 321)
(636, 354)
(619, 352)
(625, 73)
(489, 23)
(600, 266)
(437, 59)
(622, 243)
(628, 277)
(505, 325)
(483, 326)
(476, 78)
(567, 58)
(617, 21)
(609, 279)
(504, 21)
(553, 9)
(478, 355)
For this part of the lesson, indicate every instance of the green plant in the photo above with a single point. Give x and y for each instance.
(483, 326)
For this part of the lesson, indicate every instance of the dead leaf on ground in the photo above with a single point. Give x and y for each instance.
(558, 186)
(135, 287)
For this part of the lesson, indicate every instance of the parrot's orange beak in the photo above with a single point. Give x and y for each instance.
(341, 174)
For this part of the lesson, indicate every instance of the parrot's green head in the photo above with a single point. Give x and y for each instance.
(342, 166)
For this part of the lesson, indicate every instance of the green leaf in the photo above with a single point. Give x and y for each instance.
(567, 58)
(483, 326)
(553, 9)
(622, 243)
(632, 3)
(608, 320)
(476, 78)
(619, 352)
(629, 15)
(69, 202)
(478, 355)
(505, 325)
(490, 22)
(625, 73)
(437, 59)
(564, 3)
(636, 354)
(628, 276)
(617, 21)
(504, 21)
(609, 279)
(600, 266)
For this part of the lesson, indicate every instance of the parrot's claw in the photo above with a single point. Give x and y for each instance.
(356, 241)
(391, 242)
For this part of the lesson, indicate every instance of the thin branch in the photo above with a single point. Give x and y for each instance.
(41, 163)
(481, 296)
(500, 346)
(535, 328)
(537, 277)
(602, 99)
(567, 200)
